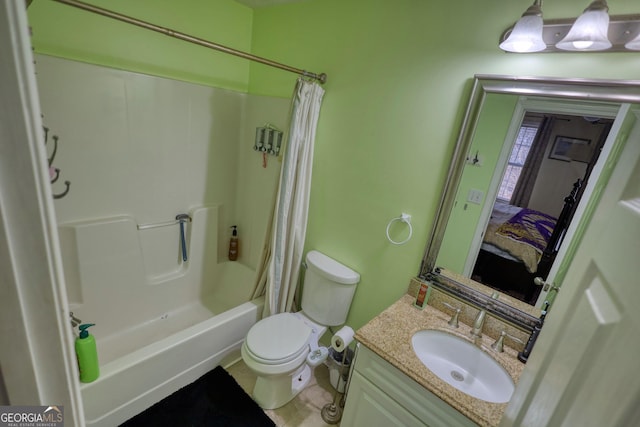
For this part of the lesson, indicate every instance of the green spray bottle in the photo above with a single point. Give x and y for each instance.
(87, 355)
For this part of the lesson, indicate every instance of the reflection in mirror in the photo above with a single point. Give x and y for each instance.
(528, 158)
(550, 160)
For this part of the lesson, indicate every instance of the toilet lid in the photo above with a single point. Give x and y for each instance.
(278, 338)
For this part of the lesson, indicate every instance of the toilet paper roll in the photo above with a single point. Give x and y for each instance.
(341, 339)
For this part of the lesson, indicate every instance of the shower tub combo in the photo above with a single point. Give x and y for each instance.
(144, 152)
(161, 322)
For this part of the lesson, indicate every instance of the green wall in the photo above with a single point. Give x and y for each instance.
(399, 74)
(490, 133)
(65, 31)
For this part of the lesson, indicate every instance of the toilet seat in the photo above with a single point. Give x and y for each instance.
(278, 339)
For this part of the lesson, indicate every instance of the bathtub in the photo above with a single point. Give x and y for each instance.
(160, 322)
(135, 380)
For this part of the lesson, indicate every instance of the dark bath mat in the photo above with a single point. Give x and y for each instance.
(214, 400)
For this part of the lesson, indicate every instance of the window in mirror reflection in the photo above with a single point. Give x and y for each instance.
(519, 153)
(536, 201)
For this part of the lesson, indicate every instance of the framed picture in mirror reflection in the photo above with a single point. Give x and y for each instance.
(569, 149)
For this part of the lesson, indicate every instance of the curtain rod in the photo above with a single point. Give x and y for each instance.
(322, 78)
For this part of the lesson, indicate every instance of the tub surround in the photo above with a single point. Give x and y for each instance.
(141, 150)
(389, 336)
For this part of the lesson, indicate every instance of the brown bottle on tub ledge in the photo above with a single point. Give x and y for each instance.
(233, 244)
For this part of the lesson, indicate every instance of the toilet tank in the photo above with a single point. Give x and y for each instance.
(328, 289)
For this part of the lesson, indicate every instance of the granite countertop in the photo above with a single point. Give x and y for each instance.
(389, 335)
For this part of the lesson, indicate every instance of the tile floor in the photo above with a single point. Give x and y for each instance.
(304, 409)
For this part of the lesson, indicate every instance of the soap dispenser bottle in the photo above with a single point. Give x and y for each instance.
(233, 244)
(87, 355)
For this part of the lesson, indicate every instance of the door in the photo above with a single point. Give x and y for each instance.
(368, 406)
(38, 365)
(622, 126)
(584, 370)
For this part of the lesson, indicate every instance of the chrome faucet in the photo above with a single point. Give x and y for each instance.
(453, 322)
(478, 324)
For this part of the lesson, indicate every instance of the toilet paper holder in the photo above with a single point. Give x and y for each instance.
(341, 339)
(331, 412)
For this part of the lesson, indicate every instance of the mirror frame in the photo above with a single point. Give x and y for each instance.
(593, 90)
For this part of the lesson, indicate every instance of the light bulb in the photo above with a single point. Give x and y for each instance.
(582, 44)
(522, 46)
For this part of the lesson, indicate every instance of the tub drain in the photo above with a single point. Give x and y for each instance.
(457, 376)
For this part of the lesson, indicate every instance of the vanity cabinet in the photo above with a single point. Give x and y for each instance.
(380, 395)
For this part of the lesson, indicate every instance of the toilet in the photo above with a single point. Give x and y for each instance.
(282, 348)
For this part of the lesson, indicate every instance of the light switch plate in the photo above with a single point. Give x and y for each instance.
(475, 196)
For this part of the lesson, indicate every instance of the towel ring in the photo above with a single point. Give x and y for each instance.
(406, 218)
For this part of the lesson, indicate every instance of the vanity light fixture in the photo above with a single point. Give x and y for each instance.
(633, 44)
(594, 30)
(526, 35)
(589, 32)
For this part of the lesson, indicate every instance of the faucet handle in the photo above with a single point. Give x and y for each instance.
(499, 344)
(512, 338)
(453, 322)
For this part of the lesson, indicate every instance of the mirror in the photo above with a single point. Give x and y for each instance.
(530, 185)
(578, 123)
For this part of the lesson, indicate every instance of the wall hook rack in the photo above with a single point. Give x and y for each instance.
(476, 160)
(54, 173)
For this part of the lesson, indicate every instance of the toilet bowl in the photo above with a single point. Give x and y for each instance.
(282, 348)
(277, 350)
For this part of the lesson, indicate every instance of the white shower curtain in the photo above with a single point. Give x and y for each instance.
(289, 224)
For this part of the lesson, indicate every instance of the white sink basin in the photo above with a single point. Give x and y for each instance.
(463, 365)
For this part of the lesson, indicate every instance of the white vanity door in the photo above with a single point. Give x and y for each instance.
(380, 395)
(584, 369)
(373, 408)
